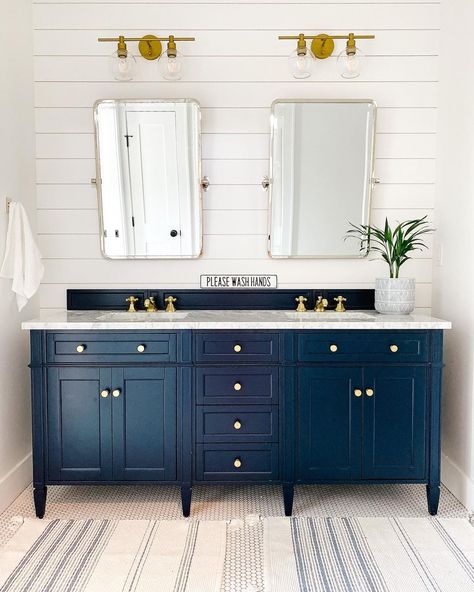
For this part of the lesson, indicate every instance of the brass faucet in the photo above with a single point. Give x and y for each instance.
(150, 304)
(301, 304)
(170, 307)
(340, 303)
(321, 304)
(131, 300)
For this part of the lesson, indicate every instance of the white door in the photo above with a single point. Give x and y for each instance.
(151, 137)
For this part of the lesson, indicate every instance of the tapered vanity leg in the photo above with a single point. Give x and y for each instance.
(288, 494)
(432, 494)
(186, 492)
(39, 496)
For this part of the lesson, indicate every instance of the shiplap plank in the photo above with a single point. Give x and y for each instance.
(405, 196)
(66, 197)
(234, 69)
(234, 120)
(233, 43)
(72, 246)
(238, 94)
(228, 222)
(339, 271)
(73, 222)
(401, 170)
(237, 146)
(175, 15)
(405, 146)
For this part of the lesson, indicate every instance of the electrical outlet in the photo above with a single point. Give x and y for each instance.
(439, 254)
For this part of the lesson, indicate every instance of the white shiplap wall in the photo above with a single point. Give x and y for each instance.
(235, 69)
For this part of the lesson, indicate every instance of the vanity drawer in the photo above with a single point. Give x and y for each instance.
(369, 346)
(237, 423)
(237, 385)
(236, 347)
(106, 347)
(236, 462)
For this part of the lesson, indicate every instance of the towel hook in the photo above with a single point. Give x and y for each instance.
(8, 202)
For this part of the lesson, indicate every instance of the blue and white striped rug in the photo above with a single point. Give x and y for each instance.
(368, 555)
(114, 556)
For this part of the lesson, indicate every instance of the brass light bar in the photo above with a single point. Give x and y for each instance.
(322, 45)
(150, 46)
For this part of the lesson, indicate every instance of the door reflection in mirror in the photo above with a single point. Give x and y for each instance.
(149, 178)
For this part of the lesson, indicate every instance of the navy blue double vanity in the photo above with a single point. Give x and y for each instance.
(260, 394)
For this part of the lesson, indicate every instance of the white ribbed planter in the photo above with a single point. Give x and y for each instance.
(394, 295)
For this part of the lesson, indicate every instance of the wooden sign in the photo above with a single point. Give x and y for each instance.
(248, 281)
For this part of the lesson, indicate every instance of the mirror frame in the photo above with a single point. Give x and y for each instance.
(270, 185)
(98, 181)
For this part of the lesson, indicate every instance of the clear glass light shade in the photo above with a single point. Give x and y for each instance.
(123, 68)
(171, 68)
(349, 66)
(301, 66)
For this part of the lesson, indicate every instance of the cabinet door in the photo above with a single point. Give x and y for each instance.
(329, 423)
(144, 413)
(394, 434)
(79, 424)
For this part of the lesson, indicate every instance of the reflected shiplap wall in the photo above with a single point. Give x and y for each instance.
(235, 69)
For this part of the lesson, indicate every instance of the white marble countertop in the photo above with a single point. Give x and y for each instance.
(93, 320)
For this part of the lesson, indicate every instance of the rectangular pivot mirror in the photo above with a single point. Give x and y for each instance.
(148, 156)
(321, 176)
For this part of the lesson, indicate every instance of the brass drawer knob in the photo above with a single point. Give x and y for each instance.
(237, 386)
(237, 348)
(81, 348)
(105, 393)
(369, 392)
(357, 392)
(394, 348)
(333, 348)
(140, 348)
(116, 393)
(237, 463)
(237, 425)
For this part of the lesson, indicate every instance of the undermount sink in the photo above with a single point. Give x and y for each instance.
(330, 315)
(143, 316)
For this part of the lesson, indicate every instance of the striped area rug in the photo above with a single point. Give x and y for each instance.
(368, 554)
(113, 556)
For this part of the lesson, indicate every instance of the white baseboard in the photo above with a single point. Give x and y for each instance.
(458, 483)
(15, 481)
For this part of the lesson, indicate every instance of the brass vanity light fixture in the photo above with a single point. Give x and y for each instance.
(150, 47)
(322, 46)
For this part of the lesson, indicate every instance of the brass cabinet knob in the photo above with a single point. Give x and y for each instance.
(237, 386)
(369, 392)
(394, 348)
(81, 348)
(333, 348)
(140, 348)
(237, 348)
(237, 463)
(105, 393)
(116, 393)
(357, 392)
(237, 424)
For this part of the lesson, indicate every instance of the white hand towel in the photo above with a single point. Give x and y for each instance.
(22, 262)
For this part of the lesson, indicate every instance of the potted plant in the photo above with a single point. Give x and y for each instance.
(393, 295)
